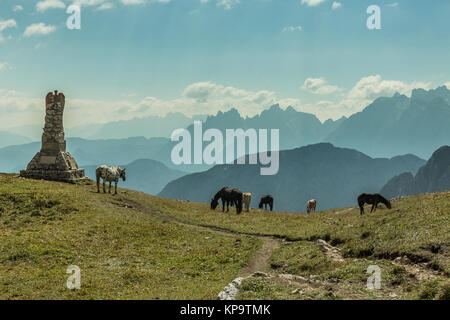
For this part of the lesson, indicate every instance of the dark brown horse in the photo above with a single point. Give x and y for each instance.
(228, 195)
(374, 200)
(266, 201)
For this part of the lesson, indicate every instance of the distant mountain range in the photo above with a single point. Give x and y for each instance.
(91, 152)
(148, 127)
(144, 175)
(8, 138)
(334, 176)
(434, 176)
(296, 128)
(399, 125)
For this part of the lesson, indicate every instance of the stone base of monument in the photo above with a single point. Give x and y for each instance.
(54, 167)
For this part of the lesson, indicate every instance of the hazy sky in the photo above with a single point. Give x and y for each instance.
(140, 57)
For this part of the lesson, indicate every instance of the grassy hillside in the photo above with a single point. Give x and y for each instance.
(122, 253)
(136, 246)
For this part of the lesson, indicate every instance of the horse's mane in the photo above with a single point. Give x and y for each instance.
(219, 193)
(384, 200)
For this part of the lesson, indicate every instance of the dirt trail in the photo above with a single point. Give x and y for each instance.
(260, 260)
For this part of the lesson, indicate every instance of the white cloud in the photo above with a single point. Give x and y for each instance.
(141, 2)
(45, 5)
(312, 3)
(38, 29)
(318, 86)
(366, 91)
(105, 6)
(227, 4)
(132, 2)
(17, 8)
(5, 24)
(373, 87)
(393, 5)
(336, 5)
(292, 28)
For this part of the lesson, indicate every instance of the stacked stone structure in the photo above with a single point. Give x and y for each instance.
(53, 162)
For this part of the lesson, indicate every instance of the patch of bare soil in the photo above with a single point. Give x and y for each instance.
(420, 271)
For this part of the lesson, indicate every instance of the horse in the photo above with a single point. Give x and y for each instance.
(374, 200)
(311, 206)
(109, 174)
(266, 201)
(228, 195)
(246, 199)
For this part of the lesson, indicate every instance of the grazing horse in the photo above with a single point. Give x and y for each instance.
(228, 195)
(266, 201)
(311, 206)
(246, 199)
(374, 200)
(109, 174)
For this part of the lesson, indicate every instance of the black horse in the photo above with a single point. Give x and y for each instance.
(374, 200)
(266, 201)
(228, 196)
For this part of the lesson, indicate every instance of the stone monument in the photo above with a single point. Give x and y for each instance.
(53, 162)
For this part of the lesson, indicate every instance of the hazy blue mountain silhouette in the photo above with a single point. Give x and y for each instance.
(333, 176)
(434, 176)
(399, 125)
(90, 152)
(9, 139)
(296, 128)
(149, 127)
(144, 175)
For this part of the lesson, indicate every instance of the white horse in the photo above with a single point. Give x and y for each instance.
(246, 199)
(311, 206)
(110, 174)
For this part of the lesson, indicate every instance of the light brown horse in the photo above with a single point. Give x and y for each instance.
(246, 199)
(311, 206)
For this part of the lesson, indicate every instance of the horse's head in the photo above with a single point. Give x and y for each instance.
(388, 205)
(261, 204)
(123, 175)
(214, 204)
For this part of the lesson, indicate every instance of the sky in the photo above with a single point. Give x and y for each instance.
(134, 58)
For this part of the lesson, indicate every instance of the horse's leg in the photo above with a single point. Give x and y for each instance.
(373, 206)
(361, 208)
(98, 184)
(115, 192)
(223, 205)
(109, 190)
(104, 185)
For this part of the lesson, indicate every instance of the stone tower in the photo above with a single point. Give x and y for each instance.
(53, 162)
